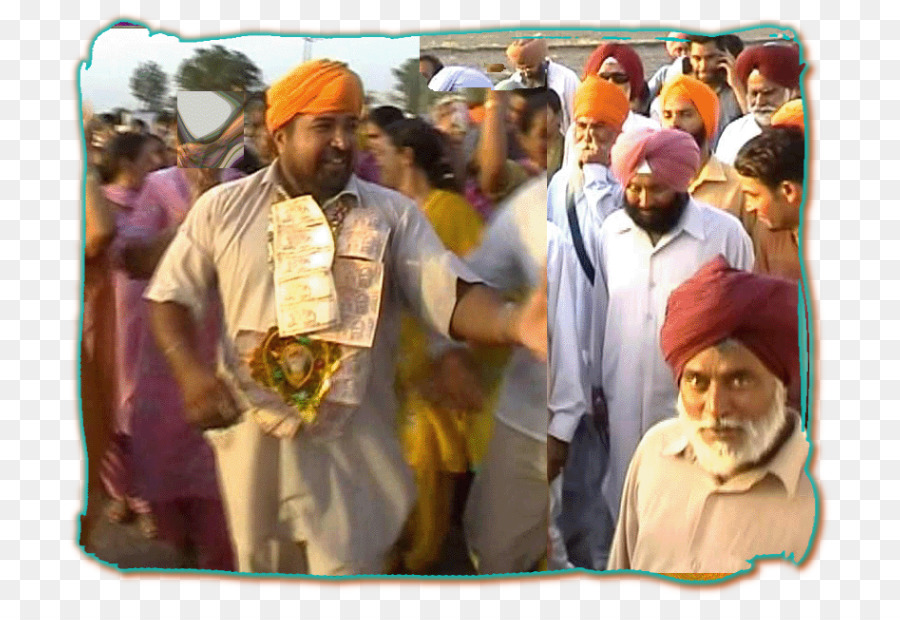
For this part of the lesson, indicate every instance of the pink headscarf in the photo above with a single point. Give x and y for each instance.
(672, 154)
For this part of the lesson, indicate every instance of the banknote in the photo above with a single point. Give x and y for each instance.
(348, 384)
(364, 234)
(306, 298)
(359, 284)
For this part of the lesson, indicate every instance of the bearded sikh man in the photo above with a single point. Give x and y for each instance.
(690, 105)
(769, 76)
(533, 69)
(582, 195)
(312, 266)
(657, 240)
(724, 481)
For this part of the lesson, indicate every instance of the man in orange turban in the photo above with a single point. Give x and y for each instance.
(690, 105)
(580, 195)
(313, 114)
(326, 496)
(533, 69)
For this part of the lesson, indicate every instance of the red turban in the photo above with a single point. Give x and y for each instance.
(315, 87)
(601, 102)
(778, 62)
(528, 52)
(789, 115)
(672, 154)
(718, 303)
(702, 96)
(626, 57)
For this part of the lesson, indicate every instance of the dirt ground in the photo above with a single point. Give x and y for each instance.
(570, 47)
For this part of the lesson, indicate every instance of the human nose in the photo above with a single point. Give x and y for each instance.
(715, 406)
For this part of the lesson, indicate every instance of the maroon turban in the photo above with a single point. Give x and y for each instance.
(718, 303)
(626, 56)
(778, 62)
(672, 154)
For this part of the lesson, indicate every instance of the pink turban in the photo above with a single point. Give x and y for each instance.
(672, 154)
(528, 52)
(718, 303)
(314, 87)
(779, 62)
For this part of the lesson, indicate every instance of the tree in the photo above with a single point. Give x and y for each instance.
(412, 90)
(149, 84)
(218, 68)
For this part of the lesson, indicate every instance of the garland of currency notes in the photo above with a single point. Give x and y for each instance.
(298, 368)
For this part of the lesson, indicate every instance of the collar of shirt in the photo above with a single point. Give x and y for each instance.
(786, 465)
(272, 177)
(596, 175)
(712, 172)
(691, 222)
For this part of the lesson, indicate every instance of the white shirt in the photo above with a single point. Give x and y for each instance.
(352, 494)
(567, 292)
(454, 78)
(634, 280)
(735, 135)
(511, 258)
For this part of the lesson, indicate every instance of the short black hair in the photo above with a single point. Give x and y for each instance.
(774, 156)
(385, 115)
(437, 64)
(429, 149)
(536, 102)
(730, 43)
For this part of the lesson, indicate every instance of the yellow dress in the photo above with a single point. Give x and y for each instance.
(438, 441)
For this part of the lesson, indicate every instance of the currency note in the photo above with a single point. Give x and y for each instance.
(359, 284)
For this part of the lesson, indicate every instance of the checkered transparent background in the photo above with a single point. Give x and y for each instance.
(852, 238)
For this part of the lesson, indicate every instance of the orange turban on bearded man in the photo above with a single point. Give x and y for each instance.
(699, 94)
(527, 52)
(315, 87)
(601, 101)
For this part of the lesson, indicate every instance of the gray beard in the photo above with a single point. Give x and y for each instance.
(759, 437)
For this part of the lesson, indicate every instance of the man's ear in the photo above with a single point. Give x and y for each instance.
(792, 192)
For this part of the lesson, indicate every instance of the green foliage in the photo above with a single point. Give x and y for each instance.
(412, 93)
(149, 85)
(218, 68)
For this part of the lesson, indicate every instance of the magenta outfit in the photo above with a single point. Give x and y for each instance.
(174, 467)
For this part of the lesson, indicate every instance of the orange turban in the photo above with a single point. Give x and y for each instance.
(601, 101)
(315, 87)
(702, 96)
(789, 115)
(528, 52)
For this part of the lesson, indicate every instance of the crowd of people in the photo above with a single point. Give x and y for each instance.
(330, 356)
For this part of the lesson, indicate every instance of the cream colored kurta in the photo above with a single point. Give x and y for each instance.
(676, 518)
(346, 498)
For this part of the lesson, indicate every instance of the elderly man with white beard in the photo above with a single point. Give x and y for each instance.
(723, 482)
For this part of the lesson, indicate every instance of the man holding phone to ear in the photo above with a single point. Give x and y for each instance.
(712, 62)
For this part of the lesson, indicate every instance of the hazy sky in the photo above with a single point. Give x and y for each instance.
(117, 52)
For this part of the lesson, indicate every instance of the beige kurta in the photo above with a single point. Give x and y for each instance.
(348, 497)
(676, 518)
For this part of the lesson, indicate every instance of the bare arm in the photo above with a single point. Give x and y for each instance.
(208, 401)
(481, 316)
(100, 220)
(492, 147)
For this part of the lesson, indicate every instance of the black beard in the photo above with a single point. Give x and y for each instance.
(658, 220)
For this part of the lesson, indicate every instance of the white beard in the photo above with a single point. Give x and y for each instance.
(722, 459)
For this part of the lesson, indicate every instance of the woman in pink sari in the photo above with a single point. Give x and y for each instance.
(127, 161)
